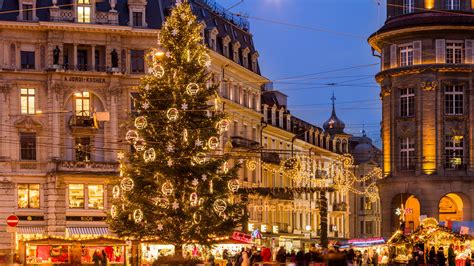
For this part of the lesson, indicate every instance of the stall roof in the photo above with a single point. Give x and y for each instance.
(61, 240)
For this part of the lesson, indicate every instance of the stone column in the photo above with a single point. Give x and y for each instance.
(4, 120)
(56, 122)
(92, 64)
(74, 55)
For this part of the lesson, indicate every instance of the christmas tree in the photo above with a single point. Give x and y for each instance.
(175, 184)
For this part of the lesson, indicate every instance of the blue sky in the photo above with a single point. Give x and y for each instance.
(334, 37)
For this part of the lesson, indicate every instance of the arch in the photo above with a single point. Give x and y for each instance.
(338, 146)
(406, 204)
(452, 207)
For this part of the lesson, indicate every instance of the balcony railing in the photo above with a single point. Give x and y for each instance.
(75, 166)
(241, 142)
(83, 122)
(271, 157)
(340, 207)
(67, 15)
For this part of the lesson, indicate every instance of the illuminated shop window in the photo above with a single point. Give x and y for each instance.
(76, 196)
(95, 197)
(29, 196)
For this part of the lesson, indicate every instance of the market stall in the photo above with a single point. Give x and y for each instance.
(52, 250)
(405, 247)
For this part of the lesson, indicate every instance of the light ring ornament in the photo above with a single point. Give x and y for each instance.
(222, 126)
(140, 122)
(204, 60)
(113, 211)
(219, 206)
(116, 192)
(213, 143)
(200, 158)
(131, 136)
(149, 155)
(138, 216)
(157, 70)
(251, 165)
(167, 188)
(172, 114)
(193, 199)
(233, 185)
(197, 217)
(139, 144)
(127, 184)
(192, 89)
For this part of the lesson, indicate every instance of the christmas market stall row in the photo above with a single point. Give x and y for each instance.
(431, 235)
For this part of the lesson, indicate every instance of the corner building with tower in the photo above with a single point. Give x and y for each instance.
(426, 84)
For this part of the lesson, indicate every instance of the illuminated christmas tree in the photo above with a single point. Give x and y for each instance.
(176, 184)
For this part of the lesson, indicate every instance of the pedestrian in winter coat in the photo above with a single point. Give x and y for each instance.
(451, 256)
(432, 256)
(441, 258)
(96, 258)
(245, 259)
(281, 255)
(103, 259)
(300, 258)
(266, 255)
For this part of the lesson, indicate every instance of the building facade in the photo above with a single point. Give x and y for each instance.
(365, 221)
(426, 93)
(68, 75)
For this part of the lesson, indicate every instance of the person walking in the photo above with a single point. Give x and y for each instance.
(441, 258)
(96, 258)
(451, 256)
(103, 258)
(281, 255)
(432, 256)
(245, 258)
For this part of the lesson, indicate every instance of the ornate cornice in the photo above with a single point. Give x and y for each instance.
(27, 123)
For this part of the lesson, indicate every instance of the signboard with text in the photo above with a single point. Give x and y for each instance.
(239, 236)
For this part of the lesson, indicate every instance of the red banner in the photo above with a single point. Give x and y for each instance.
(239, 236)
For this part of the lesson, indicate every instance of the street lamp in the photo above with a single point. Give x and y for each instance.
(308, 228)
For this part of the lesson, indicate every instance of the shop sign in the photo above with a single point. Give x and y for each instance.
(366, 241)
(263, 228)
(31, 218)
(12, 220)
(86, 218)
(275, 229)
(239, 236)
(84, 79)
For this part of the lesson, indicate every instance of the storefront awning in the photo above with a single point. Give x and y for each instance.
(88, 230)
(30, 230)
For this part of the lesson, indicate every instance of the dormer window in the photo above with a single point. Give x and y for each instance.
(27, 12)
(245, 57)
(225, 46)
(236, 56)
(84, 11)
(212, 38)
(137, 19)
(254, 61)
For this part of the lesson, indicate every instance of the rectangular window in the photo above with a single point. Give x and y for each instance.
(138, 61)
(407, 153)
(27, 101)
(406, 55)
(28, 196)
(82, 103)
(83, 149)
(76, 196)
(454, 99)
(454, 52)
(361, 227)
(27, 60)
(453, 4)
(28, 146)
(28, 12)
(369, 228)
(83, 12)
(408, 6)
(95, 198)
(137, 19)
(454, 151)
(407, 102)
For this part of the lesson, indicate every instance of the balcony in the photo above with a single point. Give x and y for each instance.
(339, 207)
(95, 167)
(241, 142)
(67, 15)
(271, 157)
(83, 121)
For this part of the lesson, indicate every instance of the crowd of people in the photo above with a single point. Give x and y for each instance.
(331, 257)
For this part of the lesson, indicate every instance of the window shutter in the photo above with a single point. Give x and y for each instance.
(393, 55)
(440, 51)
(417, 58)
(469, 44)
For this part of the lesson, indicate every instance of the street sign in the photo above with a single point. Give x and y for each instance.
(12, 220)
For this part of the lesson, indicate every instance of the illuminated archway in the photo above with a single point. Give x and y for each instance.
(405, 209)
(412, 213)
(450, 208)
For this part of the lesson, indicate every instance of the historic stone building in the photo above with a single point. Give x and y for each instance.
(68, 73)
(365, 219)
(427, 103)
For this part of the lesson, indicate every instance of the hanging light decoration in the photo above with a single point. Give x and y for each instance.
(140, 122)
(127, 184)
(131, 136)
(192, 89)
(137, 215)
(213, 143)
(149, 155)
(167, 188)
(116, 192)
(233, 185)
(172, 114)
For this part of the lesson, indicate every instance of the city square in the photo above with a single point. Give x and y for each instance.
(236, 132)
